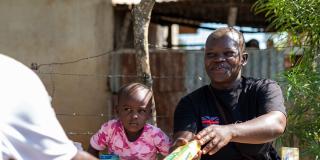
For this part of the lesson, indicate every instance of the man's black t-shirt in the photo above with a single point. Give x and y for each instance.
(250, 99)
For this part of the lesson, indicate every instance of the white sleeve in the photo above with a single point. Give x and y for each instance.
(29, 129)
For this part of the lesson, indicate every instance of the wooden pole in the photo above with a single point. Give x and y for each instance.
(232, 17)
(141, 17)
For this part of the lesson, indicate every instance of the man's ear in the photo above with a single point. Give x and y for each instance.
(244, 59)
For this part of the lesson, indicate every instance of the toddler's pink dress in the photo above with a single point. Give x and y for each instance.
(112, 136)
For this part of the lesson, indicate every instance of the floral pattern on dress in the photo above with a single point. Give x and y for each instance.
(112, 136)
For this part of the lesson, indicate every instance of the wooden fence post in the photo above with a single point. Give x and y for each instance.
(142, 16)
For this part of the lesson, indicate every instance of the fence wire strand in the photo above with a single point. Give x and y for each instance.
(106, 116)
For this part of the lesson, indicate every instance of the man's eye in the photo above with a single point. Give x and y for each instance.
(211, 55)
(230, 54)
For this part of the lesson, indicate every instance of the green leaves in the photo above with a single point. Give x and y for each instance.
(301, 20)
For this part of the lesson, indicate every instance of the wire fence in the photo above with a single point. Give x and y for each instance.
(266, 63)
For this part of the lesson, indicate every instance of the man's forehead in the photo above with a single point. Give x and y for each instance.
(225, 39)
(225, 33)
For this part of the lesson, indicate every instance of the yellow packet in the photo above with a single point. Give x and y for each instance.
(289, 153)
(185, 152)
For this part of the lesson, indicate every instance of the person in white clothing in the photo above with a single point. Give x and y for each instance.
(29, 129)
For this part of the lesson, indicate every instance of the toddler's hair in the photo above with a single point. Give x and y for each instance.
(130, 90)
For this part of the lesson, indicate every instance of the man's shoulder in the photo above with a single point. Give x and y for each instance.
(198, 93)
(195, 98)
(257, 82)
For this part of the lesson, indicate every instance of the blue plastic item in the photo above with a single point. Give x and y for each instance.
(108, 157)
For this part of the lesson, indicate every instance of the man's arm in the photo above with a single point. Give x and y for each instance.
(262, 129)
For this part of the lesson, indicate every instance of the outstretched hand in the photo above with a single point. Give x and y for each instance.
(180, 142)
(215, 137)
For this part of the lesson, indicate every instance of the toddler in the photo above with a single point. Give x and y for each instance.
(129, 136)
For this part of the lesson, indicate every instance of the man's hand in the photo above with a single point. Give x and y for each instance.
(177, 143)
(215, 136)
(180, 142)
(182, 138)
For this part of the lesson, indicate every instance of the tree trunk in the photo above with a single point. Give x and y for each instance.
(142, 16)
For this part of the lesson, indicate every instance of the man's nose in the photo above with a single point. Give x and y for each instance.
(219, 58)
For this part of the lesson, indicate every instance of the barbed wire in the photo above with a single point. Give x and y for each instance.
(121, 76)
(76, 60)
(90, 115)
(131, 51)
(107, 53)
(100, 115)
(72, 133)
(80, 133)
(75, 114)
(111, 52)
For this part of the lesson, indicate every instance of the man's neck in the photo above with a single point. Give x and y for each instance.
(225, 85)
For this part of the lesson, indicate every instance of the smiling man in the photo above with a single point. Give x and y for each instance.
(233, 117)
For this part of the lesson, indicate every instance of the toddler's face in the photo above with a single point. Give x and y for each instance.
(134, 111)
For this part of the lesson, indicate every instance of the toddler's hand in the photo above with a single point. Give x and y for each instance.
(179, 142)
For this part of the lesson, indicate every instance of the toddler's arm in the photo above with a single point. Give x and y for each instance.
(82, 155)
(93, 151)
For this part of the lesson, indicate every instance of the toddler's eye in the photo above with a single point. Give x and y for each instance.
(129, 110)
(142, 111)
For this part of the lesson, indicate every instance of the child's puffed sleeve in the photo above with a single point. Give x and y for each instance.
(100, 139)
(161, 141)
